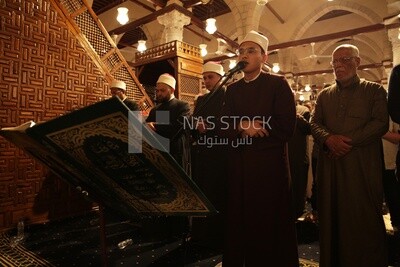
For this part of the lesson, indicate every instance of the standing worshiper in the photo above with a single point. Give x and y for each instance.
(349, 119)
(394, 105)
(394, 111)
(118, 89)
(299, 161)
(259, 118)
(177, 110)
(394, 95)
(169, 126)
(209, 160)
(391, 185)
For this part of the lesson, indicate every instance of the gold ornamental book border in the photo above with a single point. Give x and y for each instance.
(72, 140)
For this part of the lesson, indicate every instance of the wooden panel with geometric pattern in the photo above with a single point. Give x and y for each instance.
(94, 38)
(45, 72)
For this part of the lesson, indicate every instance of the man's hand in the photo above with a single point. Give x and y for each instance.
(338, 145)
(201, 127)
(253, 129)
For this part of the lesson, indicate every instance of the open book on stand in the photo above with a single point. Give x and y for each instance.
(90, 148)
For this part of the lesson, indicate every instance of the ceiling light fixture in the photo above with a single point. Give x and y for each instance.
(203, 50)
(210, 25)
(141, 46)
(307, 88)
(262, 2)
(275, 67)
(122, 16)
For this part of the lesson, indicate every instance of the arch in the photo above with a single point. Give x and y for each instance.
(247, 16)
(366, 41)
(237, 15)
(374, 77)
(342, 5)
(147, 33)
(269, 34)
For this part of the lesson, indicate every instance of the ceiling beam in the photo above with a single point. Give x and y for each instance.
(110, 6)
(143, 20)
(330, 71)
(198, 34)
(273, 11)
(332, 36)
(197, 22)
(143, 5)
(160, 3)
(191, 3)
(153, 16)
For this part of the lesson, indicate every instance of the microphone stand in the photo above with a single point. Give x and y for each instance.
(217, 87)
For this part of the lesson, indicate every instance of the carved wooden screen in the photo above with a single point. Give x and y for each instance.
(48, 66)
(187, 63)
(94, 38)
(189, 88)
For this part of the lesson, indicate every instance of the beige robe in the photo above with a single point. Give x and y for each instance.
(350, 194)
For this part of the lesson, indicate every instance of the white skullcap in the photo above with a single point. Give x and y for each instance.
(167, 79)
(213, 67)
(118, 84)
(257, 38)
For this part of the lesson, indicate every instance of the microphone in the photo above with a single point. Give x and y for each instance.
(239, 66)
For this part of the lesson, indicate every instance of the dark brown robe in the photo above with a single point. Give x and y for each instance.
(172, 226)
(173, 130)
(260, 229)
(209, 172)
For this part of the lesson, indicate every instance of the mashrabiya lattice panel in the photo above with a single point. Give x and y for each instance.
(102, 45)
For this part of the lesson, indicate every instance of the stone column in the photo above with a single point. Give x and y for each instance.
(174, 22)
(290, 80)
(178, 2)
(388, 68)
(393, 37)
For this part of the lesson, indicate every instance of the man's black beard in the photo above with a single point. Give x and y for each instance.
(160, 101)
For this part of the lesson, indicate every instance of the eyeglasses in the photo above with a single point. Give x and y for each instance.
(342, 60)
(249, 50)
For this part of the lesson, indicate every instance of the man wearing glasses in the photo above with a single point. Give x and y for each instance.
(259, 109)
(348, 122)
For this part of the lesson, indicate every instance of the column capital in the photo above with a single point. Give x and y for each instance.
(387, 63)
(174, 22)
(289, 75)
(394, 34)
(177, 2)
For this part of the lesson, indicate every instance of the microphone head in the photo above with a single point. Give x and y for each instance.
(241, 65)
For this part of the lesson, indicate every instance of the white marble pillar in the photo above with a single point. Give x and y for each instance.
(174, 22)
